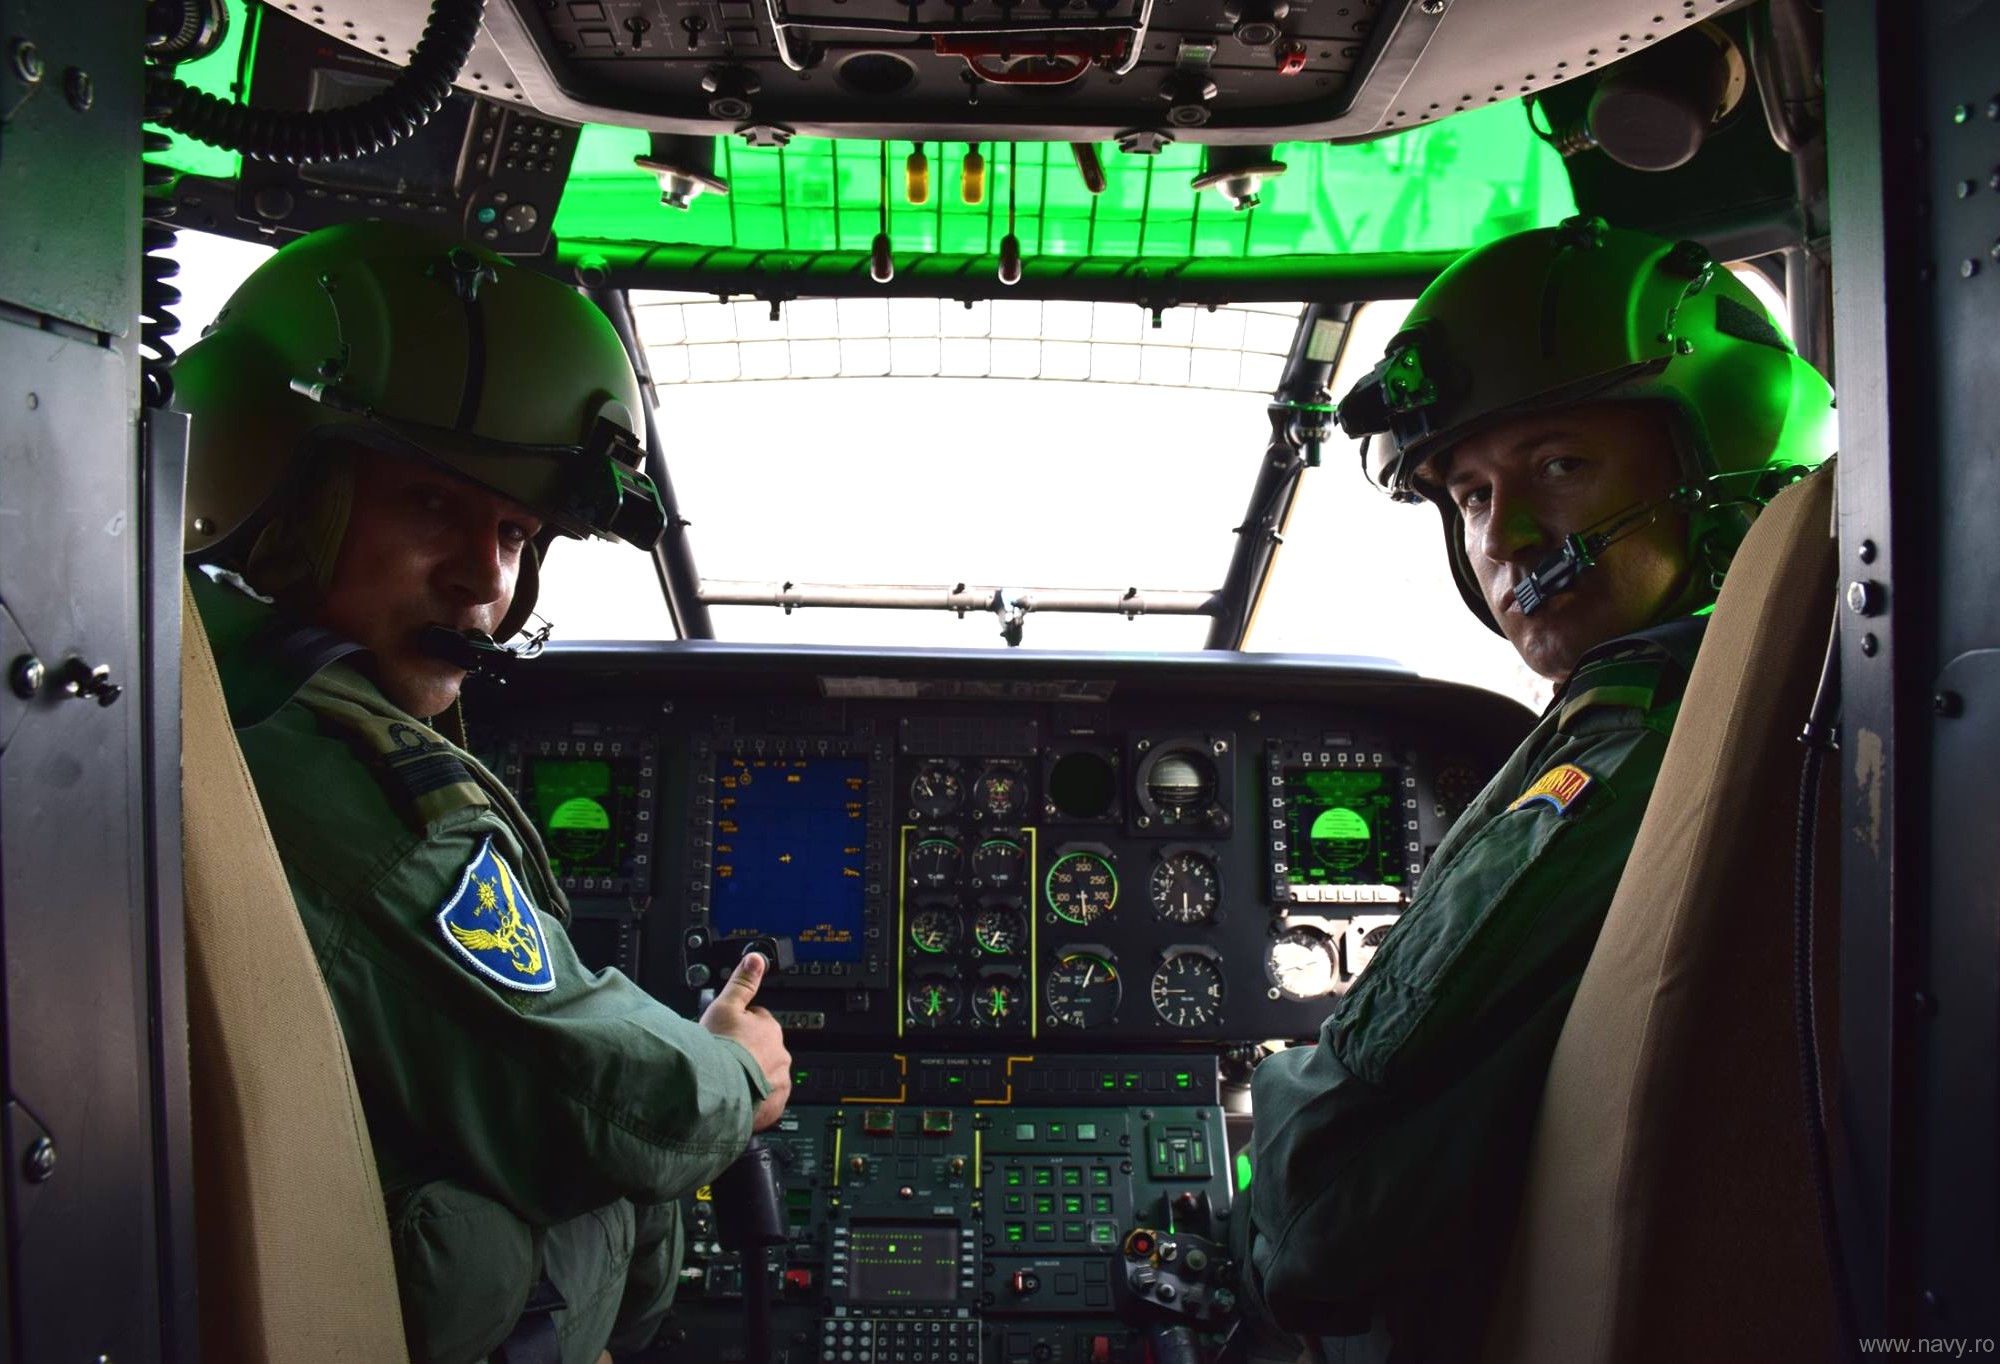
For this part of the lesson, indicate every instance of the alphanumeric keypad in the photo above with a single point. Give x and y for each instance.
(885, 1340)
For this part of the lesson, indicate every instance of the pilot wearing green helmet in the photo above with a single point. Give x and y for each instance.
(388, 431)
(1597, 415)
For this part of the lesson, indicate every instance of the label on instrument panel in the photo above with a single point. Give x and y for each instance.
(958, 689)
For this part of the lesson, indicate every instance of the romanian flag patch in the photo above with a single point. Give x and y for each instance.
(489, 924)
(1559, 787)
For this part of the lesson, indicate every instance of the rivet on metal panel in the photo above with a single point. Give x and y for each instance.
(77, 88)
(1966, 188)
(27, 676)
(28, 63)
(1967, 268)
(1864, 598)
(1948, 704)
(1869, 646)
(1866, 552)
(1961, 113)
(40, 1161)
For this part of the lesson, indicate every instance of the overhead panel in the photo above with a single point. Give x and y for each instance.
(1202, 71)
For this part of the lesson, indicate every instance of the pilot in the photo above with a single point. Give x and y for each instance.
(1597, 415)
(388, 432)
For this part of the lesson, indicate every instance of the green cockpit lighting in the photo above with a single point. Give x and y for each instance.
(1444, 186)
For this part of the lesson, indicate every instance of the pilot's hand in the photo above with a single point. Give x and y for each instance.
(733, 1015)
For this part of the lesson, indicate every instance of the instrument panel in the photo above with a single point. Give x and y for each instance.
(977, 862)
(1034, 915)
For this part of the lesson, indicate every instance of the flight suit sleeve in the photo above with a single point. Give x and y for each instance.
(1390, 1152)
(559, 1100)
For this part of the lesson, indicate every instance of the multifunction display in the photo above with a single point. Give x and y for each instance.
(790, 840)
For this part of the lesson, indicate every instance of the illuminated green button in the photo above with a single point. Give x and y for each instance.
(1073, 1204)
(1100, 1203)
(1045, 1231)
(1016, 1203)
(1044, 1177)
(1045, 1203)
(1086, 1131)
(1072, 1176)
(1016, 1233)
(1104, 1233)
(1072, 1231)
(1014, 1179)
(1183, 1080)
(1101, 1176)
(1057, 1131)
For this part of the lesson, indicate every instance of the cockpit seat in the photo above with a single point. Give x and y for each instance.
(1669, 1210)
(292, 1241)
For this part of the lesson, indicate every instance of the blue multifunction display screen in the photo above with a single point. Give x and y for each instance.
(791, 848)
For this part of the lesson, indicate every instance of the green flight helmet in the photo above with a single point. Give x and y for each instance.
(1586, 313)
(382, 336)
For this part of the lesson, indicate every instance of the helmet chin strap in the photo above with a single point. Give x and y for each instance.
(476, 651)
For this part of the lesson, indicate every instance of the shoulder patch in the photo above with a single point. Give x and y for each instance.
(1559, 787)
(489, 924)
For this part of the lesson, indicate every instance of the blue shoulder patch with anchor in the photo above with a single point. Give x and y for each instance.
(490, 924)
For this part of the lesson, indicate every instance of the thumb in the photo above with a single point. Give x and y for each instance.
(743, 981)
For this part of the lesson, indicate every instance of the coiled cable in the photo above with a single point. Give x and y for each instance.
(302, 137)
(157, 296)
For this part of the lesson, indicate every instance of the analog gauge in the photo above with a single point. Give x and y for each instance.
(1454, 789)
(1187, 990)
(933, 1001)
(1301, 963)
(936, 791)
(933, 864)
(997, 866)
(934, 930)
(1083, 991)
(1082, 887)
(1185, 888)
(1181, 785)
(999, 931)
(998, 795)
(995, 1001)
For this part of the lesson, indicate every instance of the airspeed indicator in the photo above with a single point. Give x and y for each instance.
(1082, 887)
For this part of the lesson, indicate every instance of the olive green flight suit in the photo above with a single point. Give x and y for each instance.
(1388, 1158)
(519, 1128)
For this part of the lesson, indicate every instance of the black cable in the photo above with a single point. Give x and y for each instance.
(1819, 738)
(157, 297)
(301, 137)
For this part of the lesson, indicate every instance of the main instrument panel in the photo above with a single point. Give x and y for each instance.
(1036, 915)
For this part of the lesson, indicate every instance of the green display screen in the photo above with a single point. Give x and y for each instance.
(585, 810)
(1342, 827)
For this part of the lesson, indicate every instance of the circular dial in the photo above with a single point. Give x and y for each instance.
(999, 931)
(1455, 788)
(1181, 785)
(933, 864)
(999, 795)
(998, 865)
(1301, 963)
(996, 1001)
(1187, 990)
(936, 791)
(934, 930)
(1082, 887)
(932, 1001)
(1083, 990)
(1185, 888)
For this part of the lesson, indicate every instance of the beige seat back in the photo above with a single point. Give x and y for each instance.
(292, 1240)
(1669, 1209)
